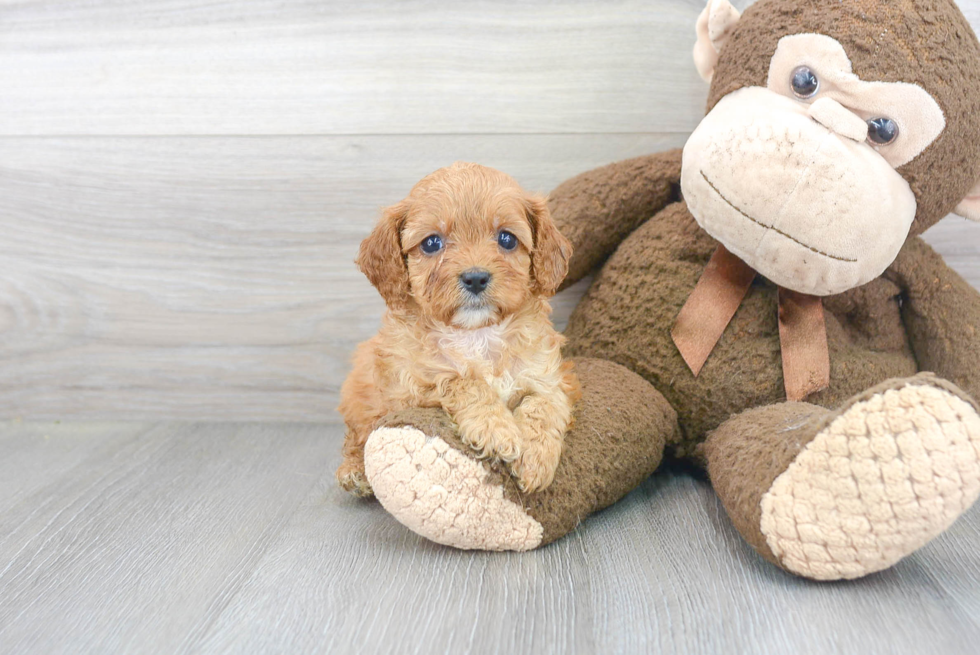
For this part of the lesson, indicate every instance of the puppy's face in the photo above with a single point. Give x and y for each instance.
(468, 241)
(468, 246)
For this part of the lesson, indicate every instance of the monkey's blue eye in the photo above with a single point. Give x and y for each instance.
(431, 244)
(506, 240)
(804, 82)
(882, 130)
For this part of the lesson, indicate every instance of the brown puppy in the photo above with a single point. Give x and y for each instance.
(466, 263)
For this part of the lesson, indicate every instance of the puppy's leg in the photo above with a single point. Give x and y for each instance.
(361, 406)
(485, 423)
(350, 473)
(543, 419)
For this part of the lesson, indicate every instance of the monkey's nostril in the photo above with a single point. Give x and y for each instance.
(475, 280)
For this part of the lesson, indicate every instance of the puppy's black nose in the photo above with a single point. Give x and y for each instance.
(475, 280)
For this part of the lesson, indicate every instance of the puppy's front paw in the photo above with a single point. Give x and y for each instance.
(352, 479)
(496, 437)
(535, 468)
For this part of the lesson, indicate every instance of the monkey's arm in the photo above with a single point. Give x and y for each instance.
(941, 312)
(599, 208)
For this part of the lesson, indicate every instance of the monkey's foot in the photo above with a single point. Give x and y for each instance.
(438, 491)
(885, 474)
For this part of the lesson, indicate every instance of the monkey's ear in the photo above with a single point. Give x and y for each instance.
(714, 27)
(549, 258)
(970, 207)
(381, 258)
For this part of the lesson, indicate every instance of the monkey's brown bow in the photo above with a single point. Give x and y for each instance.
(712, 304)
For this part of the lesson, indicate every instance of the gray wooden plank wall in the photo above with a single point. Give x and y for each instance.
(183, 185)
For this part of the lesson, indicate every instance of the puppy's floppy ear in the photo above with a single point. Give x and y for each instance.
(381, 258)
(549, 258)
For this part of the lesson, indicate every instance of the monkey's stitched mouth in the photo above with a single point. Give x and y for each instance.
(773, 228)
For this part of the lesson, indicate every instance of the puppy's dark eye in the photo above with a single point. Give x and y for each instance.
(431, 244)
(882, 130)
(804, 82)
(506, 240)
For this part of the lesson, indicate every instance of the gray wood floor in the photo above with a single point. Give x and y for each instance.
(193, 538)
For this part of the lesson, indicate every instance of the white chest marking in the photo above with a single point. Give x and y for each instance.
(482, 349)
(485, 344)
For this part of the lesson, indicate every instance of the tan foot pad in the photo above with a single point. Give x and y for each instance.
(882, 479)
(443, 495)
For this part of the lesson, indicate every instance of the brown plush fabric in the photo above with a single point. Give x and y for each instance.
(610, 202)
(621, 427)
(942, 313)
(749, 451)
(923, 42)
(627, 315)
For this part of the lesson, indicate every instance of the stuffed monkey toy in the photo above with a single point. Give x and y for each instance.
(763, 304)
